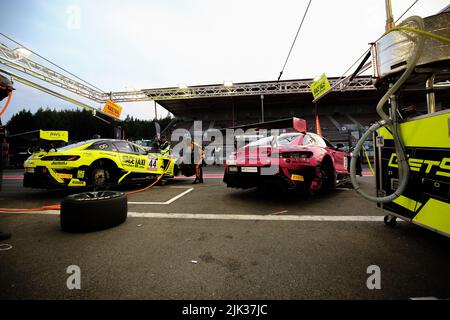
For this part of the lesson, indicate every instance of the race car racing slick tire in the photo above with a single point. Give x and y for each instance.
(92, 211)
(328, 175)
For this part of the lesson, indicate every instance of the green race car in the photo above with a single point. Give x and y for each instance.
(97, 163)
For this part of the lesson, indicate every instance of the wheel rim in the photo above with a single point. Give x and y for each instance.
(95, 195)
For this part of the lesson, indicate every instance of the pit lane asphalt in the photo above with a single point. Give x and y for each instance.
(152, 258)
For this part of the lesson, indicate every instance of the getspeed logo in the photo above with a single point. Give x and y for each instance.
(439, 168)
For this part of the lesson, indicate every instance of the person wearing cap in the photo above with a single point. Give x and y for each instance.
(6, 88)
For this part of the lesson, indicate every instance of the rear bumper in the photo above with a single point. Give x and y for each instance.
(243, 180)
(40, 181)
(41, 178)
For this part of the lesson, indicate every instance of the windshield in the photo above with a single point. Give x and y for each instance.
(74, 145)
(286, 139)
(282, 140)
(261, 142)
(144, 143)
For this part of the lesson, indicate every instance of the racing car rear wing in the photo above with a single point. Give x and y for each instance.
(41, 139)
(288, 125)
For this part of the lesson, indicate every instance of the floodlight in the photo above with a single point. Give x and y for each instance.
(22, 53)
(228, 83)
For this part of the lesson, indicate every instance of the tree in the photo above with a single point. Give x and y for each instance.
(80, 124)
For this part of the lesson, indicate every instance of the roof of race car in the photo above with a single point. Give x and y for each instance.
(91, 141)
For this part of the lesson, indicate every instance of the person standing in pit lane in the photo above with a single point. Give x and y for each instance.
(164, 146)
(197, 156)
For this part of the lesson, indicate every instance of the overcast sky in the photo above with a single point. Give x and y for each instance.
(119, 44)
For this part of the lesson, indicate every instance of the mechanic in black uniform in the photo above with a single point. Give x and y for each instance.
(6, 89)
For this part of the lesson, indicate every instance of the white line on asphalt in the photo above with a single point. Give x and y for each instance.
(163, 203)
(179, 187)
(179, 196)
(255, 217)
(170, 187)
(252, 217)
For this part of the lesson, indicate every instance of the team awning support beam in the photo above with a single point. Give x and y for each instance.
(54, 93)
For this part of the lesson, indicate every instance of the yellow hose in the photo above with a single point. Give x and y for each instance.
(368, 161)
(421, 32)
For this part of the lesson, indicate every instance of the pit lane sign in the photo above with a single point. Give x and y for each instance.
(112, 109)
(54, 135)
(320, 86)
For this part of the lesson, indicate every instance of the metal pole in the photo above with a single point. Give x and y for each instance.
(431, 102)
(262, 108)
(156, 112)
(233, 120)
(389, 16)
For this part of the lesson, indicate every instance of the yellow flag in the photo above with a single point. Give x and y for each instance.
(54, 135)
(320, 86)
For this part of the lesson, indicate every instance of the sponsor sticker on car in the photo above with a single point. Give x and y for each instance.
(249, 169)
(152, 164)
(77, 183)
(297, 177)
(80, 174)
(64, 175)
(232, 169)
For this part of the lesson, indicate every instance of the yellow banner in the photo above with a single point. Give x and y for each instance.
(319, 86)
(112, 109)
(54, 135)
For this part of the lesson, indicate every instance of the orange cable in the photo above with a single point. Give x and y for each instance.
(58, 207)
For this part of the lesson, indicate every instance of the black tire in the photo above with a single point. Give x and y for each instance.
(328, 178)
(92, 211)
(187, 170)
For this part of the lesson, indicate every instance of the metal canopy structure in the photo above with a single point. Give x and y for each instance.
(238, 89)
(15, 60)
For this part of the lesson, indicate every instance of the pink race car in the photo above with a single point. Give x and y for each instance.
(290, 160)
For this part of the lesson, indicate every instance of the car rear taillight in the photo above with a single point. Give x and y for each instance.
(60, 158)
(296, 155)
